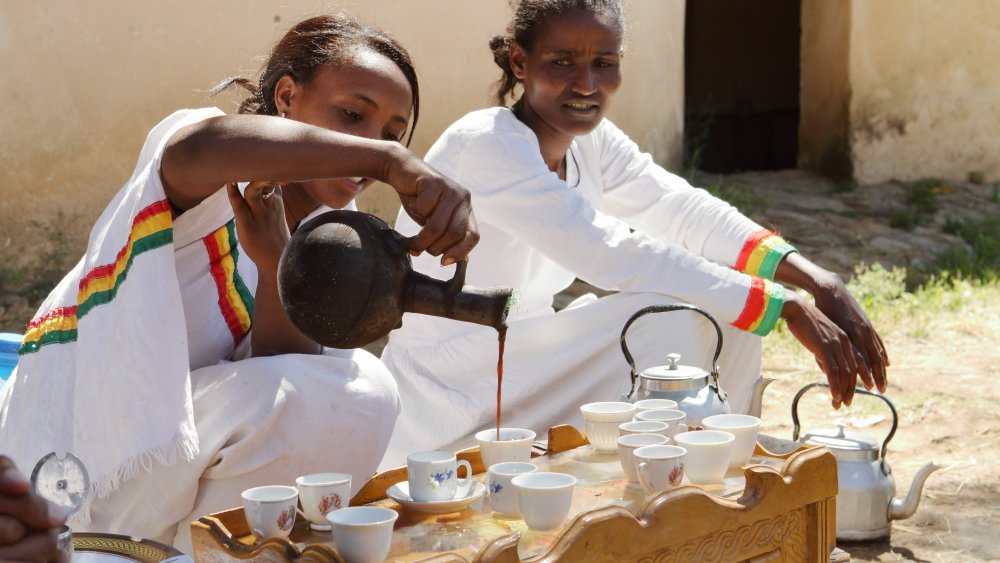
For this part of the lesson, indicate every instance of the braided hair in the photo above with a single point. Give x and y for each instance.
(313, 43)
(524, 27)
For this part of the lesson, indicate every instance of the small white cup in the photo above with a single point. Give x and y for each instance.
(707, 456)
(514, 445)
(270, 510)
(743, 426)
(674, 419)
(433, 476)
(655, 404)
(503, 498)
(629, 443)
(544, 498)
(321, 493)
(660, 468)
(601, 421)
(363, 534)
(644, 427)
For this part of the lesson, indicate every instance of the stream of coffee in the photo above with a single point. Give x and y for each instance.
(502, 339)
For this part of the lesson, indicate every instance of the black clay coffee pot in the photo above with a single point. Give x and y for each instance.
(345, 279)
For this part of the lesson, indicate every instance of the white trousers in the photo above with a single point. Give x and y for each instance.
(261, 421)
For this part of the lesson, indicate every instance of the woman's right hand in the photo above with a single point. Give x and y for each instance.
(833, 350)
(440, 206)
(29, 525)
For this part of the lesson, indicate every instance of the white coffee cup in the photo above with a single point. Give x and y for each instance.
(321, 493)
(362, 534)
(674, 419)
(708, 453)
(655, 404)
(629, 443)
(514, 445)
(270, 510)
(659, 468)
(644, 427)
(601, 421)
(544, 498)
(433, 476)
(503, 498)
(743, 426)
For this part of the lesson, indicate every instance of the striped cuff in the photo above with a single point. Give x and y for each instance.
(762, 253)
(763, 307)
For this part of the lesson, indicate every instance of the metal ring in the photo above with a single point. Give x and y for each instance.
(267, 195)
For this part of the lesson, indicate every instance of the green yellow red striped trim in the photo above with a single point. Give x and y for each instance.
(763, 307)
(151, 228)
(235, 300)
(762, 253)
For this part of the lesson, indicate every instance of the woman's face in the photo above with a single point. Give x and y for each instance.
(366, 95)
(572, 71)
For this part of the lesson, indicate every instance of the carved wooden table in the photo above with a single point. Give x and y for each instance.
(780, 507)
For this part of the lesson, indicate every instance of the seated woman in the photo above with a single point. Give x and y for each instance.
(560, 193)
(124, 365)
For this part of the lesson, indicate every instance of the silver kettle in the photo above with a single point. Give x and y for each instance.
(696, 391)
(866, 487)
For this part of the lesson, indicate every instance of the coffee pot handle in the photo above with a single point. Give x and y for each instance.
(457, 281)
(885, 442)
(666, 309)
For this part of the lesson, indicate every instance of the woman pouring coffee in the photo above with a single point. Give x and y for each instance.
(561, 193)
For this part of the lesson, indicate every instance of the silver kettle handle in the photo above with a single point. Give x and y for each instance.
(885, 443)
(666, 309)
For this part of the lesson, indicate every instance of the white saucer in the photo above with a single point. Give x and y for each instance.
(400, 492)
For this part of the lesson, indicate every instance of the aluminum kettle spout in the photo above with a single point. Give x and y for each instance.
(757, 395)
(900, 509)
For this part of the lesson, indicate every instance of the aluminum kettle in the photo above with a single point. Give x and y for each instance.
(866, 488)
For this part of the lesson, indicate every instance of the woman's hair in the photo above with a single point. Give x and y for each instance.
(315, 42)
(529, 17)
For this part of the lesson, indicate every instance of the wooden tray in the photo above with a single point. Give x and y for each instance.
(779, 508)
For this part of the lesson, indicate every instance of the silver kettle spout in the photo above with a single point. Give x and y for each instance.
(757, 395)
(900, 509)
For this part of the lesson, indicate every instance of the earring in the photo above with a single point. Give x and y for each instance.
(282, 115)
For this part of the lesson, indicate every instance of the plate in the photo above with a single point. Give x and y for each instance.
(400, 492)
(114, 548)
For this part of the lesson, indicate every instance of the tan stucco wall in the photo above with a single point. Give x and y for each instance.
(84, 82)
(925, 89)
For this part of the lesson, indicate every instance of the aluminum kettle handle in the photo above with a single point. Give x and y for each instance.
(666, 309)
(863, 391)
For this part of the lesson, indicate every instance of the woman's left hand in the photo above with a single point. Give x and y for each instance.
(260, 222)
(833, 299)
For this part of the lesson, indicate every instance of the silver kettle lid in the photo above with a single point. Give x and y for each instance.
(843, 444)
(673, 371)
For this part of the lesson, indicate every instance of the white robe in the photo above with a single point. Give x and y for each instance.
(619, 222)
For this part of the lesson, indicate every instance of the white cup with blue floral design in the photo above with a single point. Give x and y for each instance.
(503, 499)
(433, 476)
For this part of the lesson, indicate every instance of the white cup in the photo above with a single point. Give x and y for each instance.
(655, 404)
(433, 476)
(544, 498)
(660, 468)
(503, 498)
(629, 443)
(644, 427)
(322, 493)
(743, 426)
(674, 419)
(362, 534)
(601, 421)
(514, 445)
(707, 456)
(270, 510)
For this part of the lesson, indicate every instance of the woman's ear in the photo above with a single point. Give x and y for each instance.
(286, 92)
(517, 57)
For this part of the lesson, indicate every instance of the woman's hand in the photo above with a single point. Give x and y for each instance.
(29, 525)
(437, 204)
(831, 347)
(260, 222)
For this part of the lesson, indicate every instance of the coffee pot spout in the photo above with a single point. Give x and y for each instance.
(900, 509)
(455, 300)
(757, 395)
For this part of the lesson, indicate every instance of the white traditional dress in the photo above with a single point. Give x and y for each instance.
(137, 363)
(619, 222)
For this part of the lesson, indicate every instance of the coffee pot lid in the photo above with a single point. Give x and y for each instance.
(63, 481)
(673, 371)
(844, 444)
